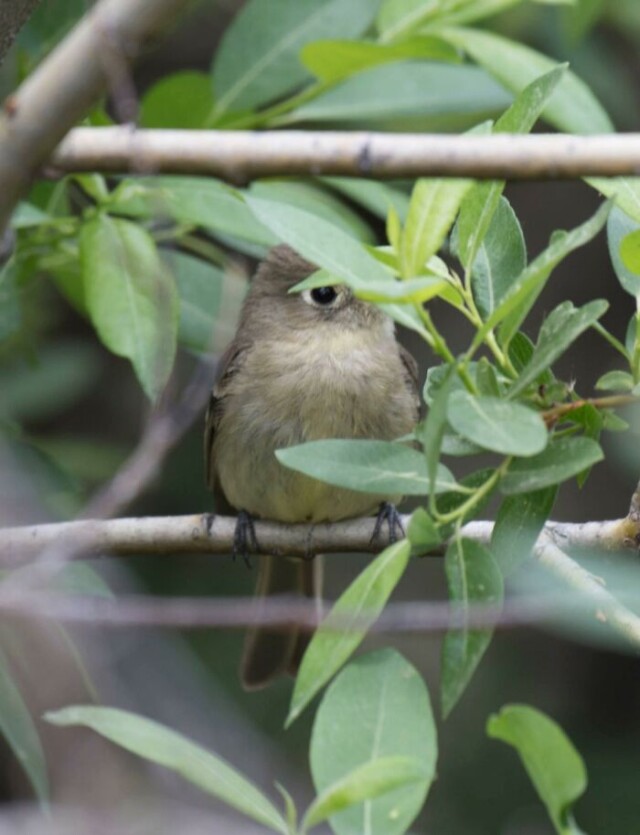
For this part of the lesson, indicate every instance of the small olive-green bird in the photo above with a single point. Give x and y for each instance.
(302, 366)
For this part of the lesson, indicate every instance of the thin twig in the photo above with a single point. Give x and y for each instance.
(240, 156)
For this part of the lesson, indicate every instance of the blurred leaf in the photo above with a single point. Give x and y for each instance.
(559, 331)
(473, 578)
(615, 381)
(422, 532)
(180, 100)
(619, 227)
(366, 782)
(384, 468)
(446, 95)
(335, 60)
(572, 108)
(500, 258)
(433, 208)
(378, 707)
(131, 297)
(84, 459)
(554, 766)
(258, 61)
(519, 522)
(625, 192)
(160, 745)
(495, 424)
(375, 197)
(200, 287)
(433, 427)
(20, 732)
(524, 291)
(630, 251)
(10, 308)
(357, 608)
(26, 215)
(60, 376)
(562, 459)
(200, 201)
(316, 200)
(80, 578)
(48, 24)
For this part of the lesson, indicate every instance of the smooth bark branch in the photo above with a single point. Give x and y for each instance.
(209, 534)
(65, 85)
(239, 156)
(13, 15)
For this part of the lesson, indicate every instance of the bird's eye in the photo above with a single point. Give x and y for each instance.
(323, 296)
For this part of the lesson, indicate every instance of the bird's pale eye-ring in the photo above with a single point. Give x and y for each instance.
(321, 296)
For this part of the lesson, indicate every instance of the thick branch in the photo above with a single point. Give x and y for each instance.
(240, 156)
(205, 533)
(65, 85)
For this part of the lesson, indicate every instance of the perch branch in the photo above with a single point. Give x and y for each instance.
(239, 156)
(65, 85)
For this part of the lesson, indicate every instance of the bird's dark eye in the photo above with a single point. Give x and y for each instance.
(323, 295)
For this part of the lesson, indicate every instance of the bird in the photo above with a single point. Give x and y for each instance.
(302, 366)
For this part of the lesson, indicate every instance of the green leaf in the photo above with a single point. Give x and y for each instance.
(630, 252)
(258, 59)
(619, 227)
(572, 108)
(624, 191)
(554, 766)
(433, 208)
(499, 259)
(385, 468)
(615, 381)
(321, 242)
(480, 205)
(200, 201)
(20, 733)
(317, 200)
(80, 578)
(26, 215)
(495, 424)
(422, 532)
(433, 428)
(180, 100)
(378, 707)
(10, 307)
(131, 298)
(366, 782)
(559, 331)
(524, 291)
(473, 578)
(334, 60)
(346, 625)
(519, 523)
(562, 459)
(439, 96)
(160, 745)
(200, 287)
(374, 196)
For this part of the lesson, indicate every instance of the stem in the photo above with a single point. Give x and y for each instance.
(460, 512)
(552, 416)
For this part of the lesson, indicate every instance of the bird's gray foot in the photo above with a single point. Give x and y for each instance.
(387, 514)
(244, 538)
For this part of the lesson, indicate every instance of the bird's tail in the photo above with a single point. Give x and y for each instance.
(269, 653)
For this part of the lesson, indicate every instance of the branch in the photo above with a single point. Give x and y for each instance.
(66, 84)
(239, 156)
(210, 534)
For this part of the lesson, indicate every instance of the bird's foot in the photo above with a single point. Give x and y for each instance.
(388, 514)
(244, 538)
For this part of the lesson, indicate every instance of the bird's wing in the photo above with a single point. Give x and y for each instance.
(411, 376)
(230, 362)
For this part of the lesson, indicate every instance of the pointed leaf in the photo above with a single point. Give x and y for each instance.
(20, 733)
(554, 766)
(562, 459)
(161, 745)
(619, 227)
(258, 61)
(473, 577)
(335, 640)
(433, 428)
(378, 707)
(385, 468)
(131, 297)
(519, 523)
(495, 424)
(559, 331)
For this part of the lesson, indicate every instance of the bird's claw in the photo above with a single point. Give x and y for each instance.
(388, 514)
(244, 538)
